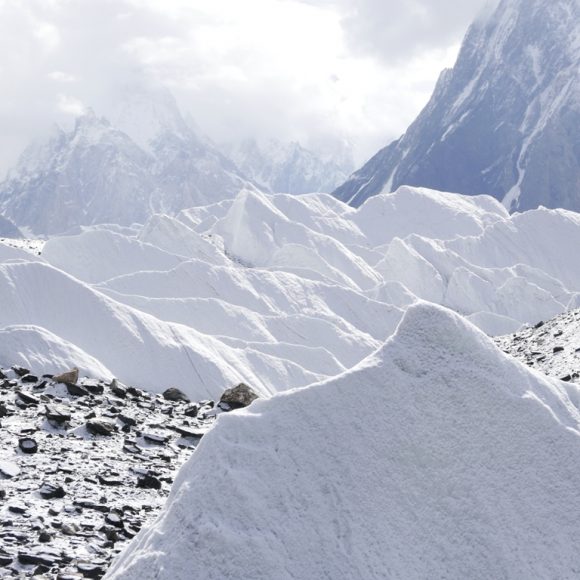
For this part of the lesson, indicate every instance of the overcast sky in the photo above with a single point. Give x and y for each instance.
(317, 71)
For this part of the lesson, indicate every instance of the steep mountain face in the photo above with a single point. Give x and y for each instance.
(148, 161)
(8, 229)
(289, 167)
(504, 121)
(92, 174)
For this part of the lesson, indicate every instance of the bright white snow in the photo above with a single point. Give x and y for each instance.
(280, 291)
(437, 457)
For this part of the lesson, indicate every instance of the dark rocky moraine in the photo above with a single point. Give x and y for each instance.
(83, 466)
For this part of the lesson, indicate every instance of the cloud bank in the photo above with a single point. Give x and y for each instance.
(321, 72)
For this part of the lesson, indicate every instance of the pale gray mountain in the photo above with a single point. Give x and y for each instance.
(504, 121)
(289, 167)
(8, 229)
(149, 161)
(92, 174)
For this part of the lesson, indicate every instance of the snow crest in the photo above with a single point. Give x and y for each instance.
(464, 468)
(281, 291)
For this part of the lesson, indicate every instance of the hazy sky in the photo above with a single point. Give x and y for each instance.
(313, 70)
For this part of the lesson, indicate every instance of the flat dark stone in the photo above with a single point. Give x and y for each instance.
(28, 445)
(5, 559)
(58, 414)
(28, 398)
(20, 371)
(51, 491)
(94, 387)
(28, 558)
(17, 509)
(91, 570)
(76, 390)
(187, 431)
(127, 420)
(101, 428)
(149, 482)
(174, 394)
(109, 480)
(156, 439)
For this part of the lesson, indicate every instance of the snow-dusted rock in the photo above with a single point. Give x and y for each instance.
(502, 122)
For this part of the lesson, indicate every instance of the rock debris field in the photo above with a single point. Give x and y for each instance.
(551, 347)
(84, 464)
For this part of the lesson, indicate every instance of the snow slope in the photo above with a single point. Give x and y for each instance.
(280, 291)
(133, 345)
(464, 468)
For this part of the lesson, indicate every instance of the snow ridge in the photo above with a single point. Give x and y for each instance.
(280, 291)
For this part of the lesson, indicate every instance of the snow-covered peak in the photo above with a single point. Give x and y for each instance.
(147, 161)
(38, 153)
(91, 130)
(502, 121)
(145, 114)
(288, 167)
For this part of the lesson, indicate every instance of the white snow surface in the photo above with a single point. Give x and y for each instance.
(465, 466)
(280, 291)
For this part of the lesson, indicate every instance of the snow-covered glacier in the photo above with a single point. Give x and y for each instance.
(393, 438)
(279, 291)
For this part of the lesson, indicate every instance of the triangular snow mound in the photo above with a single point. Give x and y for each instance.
(36, 348)
(257, 233)
(175, 237)
(426, 212)
(437, 457)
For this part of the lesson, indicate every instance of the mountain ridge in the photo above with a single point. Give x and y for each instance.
(501, 122)
(98, 173)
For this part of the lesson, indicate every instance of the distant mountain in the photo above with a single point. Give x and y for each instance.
(8, 229)
(504, 121)
(149, 160)
(289, 167)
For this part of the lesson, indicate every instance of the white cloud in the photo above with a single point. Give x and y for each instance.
(47, 34)
(395, 30)
(317, 71)
(70, 105)
(61, 77)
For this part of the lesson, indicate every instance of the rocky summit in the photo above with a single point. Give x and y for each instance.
(502, 122)
(83, 466)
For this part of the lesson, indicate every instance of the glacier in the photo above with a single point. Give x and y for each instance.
(279, 291)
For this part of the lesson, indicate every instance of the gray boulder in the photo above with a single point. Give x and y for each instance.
(240, 396)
